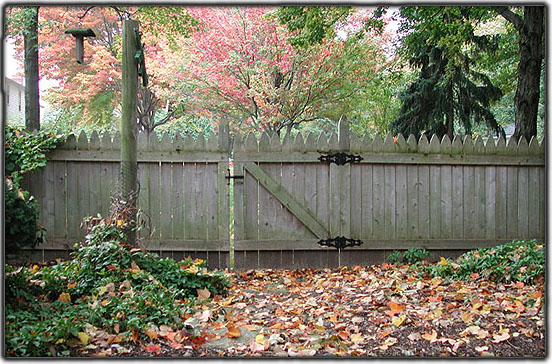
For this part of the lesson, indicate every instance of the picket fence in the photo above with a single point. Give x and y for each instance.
(446, 196)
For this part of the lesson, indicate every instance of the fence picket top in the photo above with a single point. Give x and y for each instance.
(212, 143)
(500, 145)
(522, 146)
(490, 146)
(224, 136)
(511, 147)
(322, 142)
(82, 141)
(468, 144)
(94, 142)
(366, 143)
(344, 134)
(310, 142)
(70, 143)
(377, 144)
(333, 142)
(389, 143)
(142, 141)
(446, 145)
(299, 143)
(287, 143)
(423, 144)
(237, 143)
(274, 144)
(356, 143)
(178, 142)
(412, 144)
(264, 142)
(478, 146)
(189, 142)
(400, 144)
(105, 141)
(200, 143)
(251, 143)
(456, 146)
(542, 146)
(435, 144)
(165, 144)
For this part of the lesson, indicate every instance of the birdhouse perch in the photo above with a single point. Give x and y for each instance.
(79, 34)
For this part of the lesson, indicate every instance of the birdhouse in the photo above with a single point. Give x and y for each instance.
(79, 34)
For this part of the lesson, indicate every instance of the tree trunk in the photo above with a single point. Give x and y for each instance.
(30, 39)
(531, 30)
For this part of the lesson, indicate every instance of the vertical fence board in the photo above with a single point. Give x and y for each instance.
(366, 178)
(299, 230)
(155, 200)
(457, 202)
(469, 202)
(166, 205)
(345, 199)
(310, 188)
(84, 193)
(480, 203)
(512, 203)
(501, 206)
(355, 199)
(177, 201)
(413, 201)
(211, 199)
(523, 202)
(490, 202)
(199, 227)
(223, 212)
(73, 218)
(59, 200)
(143, 197)
(542, 202)
(322, 198)
(402, 198)
(424, 200)
(379, 192)
(251, 189)
(534, 198)
(389, 203)
(107, 185)
(446, 202)
(95, 190)
(334, 201)
(435, 202)
(188, 196)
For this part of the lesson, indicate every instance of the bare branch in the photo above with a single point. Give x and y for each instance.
(516, 20)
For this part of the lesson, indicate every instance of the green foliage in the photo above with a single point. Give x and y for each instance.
(184, 125)
(515, 261)
(21, 220)
(106, 285)
(25, 151)
(411, 256)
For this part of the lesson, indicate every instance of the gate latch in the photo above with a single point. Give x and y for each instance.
(340, 158)
(228, 177)
(339, 242)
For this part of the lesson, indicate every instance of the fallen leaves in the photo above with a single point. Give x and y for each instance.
(233, 332)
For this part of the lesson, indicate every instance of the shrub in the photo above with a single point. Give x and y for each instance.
(411, 256)
(21, 219)
(515, 261)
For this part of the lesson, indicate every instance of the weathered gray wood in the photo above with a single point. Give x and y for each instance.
(490, 202)
(211, 201)
(84, 193)
(306, 216)
(355, 198)
(479, 202)
(345, 199)
(469, 223)
(335, 201)
(73, 218)
(542, 200)
(413, 201)
(155, 199)
(199, 227)
(143, 197)
(323, 198)
(379, 199)
(401, 201)
(423, 202)
(188, 193)
(446, 202)
(367, 208)
(512, 220)
(523, 202)
(435, 201)
(165, 196)
(534, 197)
(251, 201)
(238, 185)
(95, 190)
(390, 206)
(177, 201)
(457, 203)
(501, 202)
(60, 213)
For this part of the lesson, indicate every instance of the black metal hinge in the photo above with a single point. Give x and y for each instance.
(340, 158)
(339, 242)
(229, 177)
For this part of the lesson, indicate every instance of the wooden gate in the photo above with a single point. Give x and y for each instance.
(289, 200)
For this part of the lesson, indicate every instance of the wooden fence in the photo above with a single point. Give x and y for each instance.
(446, 196)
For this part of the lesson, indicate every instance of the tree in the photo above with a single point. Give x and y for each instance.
(440, 41)
(243, 65)
(531, 31)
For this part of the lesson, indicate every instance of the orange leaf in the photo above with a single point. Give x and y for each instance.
(395, 308)
(343, 335)
(536, 295)
(152, 334)
(432, 337)
(64, 297)
(203, 294)
(233, 332)
(383, 334)
(151, 348)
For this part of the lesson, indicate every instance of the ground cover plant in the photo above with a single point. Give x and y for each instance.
(109, 292)
(115, 301)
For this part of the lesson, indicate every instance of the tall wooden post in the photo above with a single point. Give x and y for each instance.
(129, 165)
